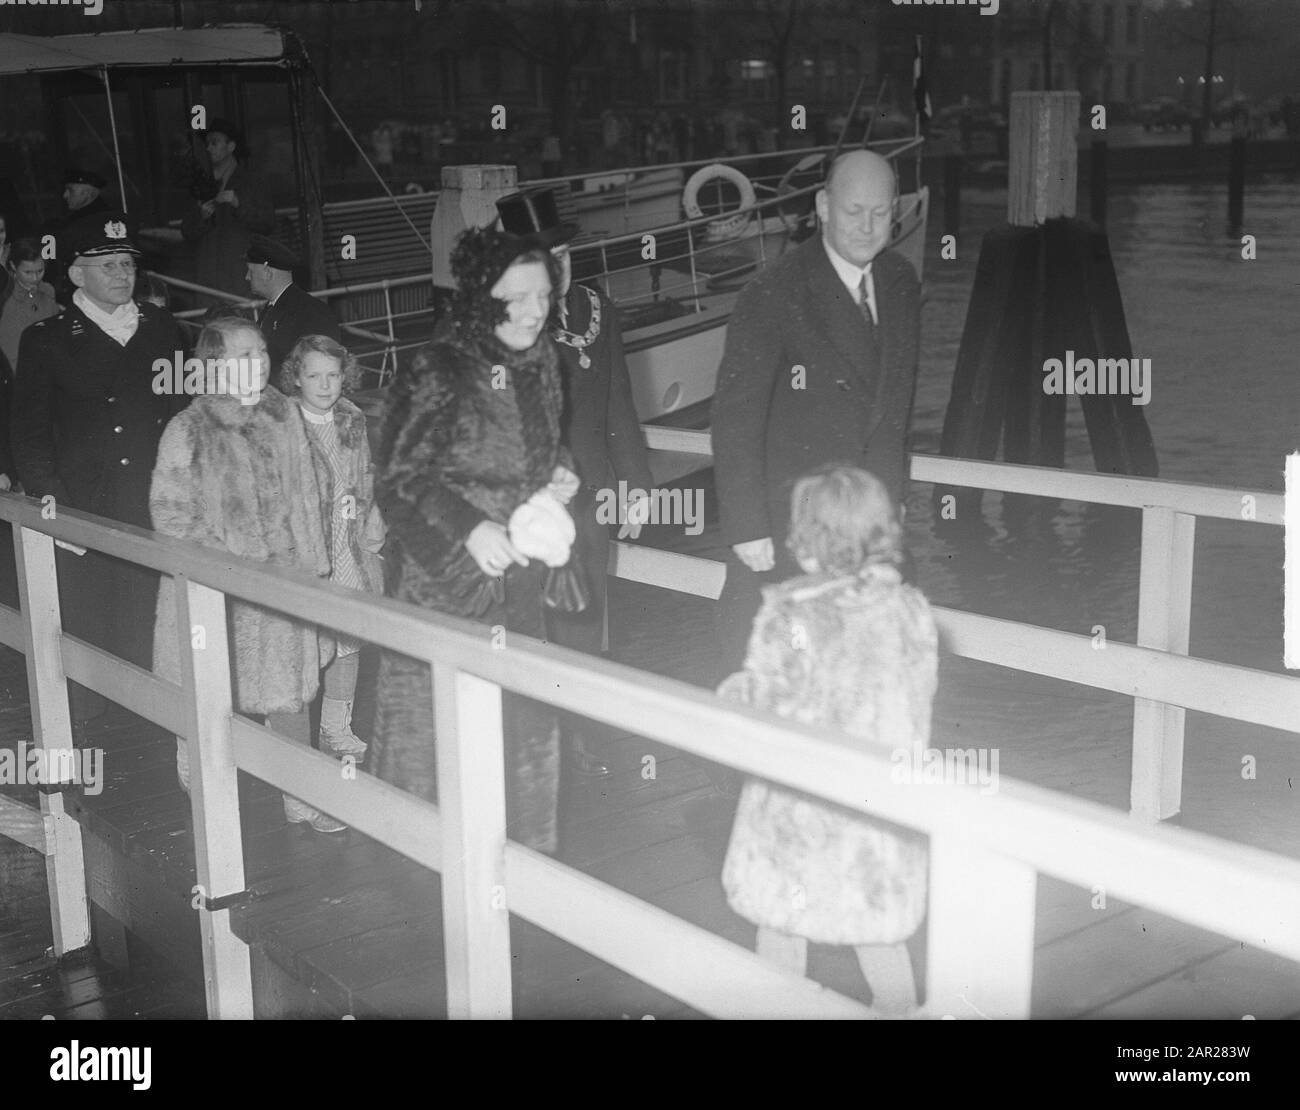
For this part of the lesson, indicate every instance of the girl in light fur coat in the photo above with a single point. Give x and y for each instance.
(243, 478)
(847, 646)
(315, 373)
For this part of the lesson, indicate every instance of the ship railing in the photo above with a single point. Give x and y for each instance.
(622, 180)
(1156, 671)
(691, 251)
(699, 258)
(980, 948)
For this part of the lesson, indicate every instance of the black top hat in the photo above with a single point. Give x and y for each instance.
(108, 236)
(74, 176)
(263, 251)
(533, 214)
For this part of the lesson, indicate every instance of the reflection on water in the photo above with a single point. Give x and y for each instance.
(1222, 334)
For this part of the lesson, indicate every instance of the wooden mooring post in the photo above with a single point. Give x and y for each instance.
(1236, 184)
(1045, 289)
(1098, 185)
(953, 165)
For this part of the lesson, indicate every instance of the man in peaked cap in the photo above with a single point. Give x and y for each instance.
(85, 427)
(599, 425)
(290, 312)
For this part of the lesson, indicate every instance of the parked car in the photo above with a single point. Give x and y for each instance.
(1230, 109)
(1166, 113)
(978, 128)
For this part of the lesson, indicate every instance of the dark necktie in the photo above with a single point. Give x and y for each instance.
(864, 305)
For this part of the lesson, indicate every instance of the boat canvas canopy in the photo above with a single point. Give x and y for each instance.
(231, 44)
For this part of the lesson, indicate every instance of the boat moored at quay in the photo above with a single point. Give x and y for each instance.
(1042, 902)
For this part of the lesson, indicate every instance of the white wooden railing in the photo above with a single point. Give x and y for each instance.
(1156, 671)
(980, 947)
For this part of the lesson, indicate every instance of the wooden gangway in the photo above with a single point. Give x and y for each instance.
(1187, 903)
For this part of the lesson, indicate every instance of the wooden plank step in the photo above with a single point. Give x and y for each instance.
(646, 871)
(1225, 987)
(1064, 909)
(1082, 972)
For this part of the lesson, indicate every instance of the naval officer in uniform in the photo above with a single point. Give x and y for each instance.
(85, 429)
(599, 426)
(290, 312)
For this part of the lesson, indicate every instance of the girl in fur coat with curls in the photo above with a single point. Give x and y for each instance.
(238, 473)
(472, 482)
(315, 373)
(848, 646)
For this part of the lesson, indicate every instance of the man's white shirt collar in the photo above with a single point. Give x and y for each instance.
(852, 276)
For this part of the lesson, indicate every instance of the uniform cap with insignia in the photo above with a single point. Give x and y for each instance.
(263, 251)
(108, 236)
(75, 176)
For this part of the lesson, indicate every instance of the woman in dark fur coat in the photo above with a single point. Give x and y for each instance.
(471, 479)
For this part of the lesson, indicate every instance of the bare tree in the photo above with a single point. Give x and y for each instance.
(781, 18)
(1211, 24)
(1061, 29)
(556, 34)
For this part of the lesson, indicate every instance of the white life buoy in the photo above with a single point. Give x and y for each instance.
(726, 227)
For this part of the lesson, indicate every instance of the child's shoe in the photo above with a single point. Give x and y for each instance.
(297, 812)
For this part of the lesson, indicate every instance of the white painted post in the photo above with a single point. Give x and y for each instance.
(471, 804)
(980, 955)
(65, 866)
(214, 795)
(1044, 157)
(1164, 622)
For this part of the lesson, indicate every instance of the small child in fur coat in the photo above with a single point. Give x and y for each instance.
(846, 645)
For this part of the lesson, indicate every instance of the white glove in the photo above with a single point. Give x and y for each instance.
(541, 528)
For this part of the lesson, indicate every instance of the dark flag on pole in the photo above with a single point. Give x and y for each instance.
(920, 93)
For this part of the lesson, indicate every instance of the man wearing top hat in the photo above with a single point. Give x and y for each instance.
(599, 426)
(222, 226)
(85, 426)
(290, 312)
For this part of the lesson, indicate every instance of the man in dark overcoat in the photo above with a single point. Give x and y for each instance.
(222, 226)
(290, 312)
(85, 429)
(820, 366)
(600, 427)
(85, 210)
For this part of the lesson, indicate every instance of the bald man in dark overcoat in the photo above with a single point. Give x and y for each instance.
(819, 367)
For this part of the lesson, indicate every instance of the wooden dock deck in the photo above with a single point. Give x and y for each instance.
(341, 925)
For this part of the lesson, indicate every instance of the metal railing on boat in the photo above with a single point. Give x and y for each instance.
(980, 948)
(687, 264)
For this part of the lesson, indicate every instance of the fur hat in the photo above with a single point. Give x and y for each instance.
(481, 257)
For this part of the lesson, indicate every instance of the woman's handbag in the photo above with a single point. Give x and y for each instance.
(565, 588)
